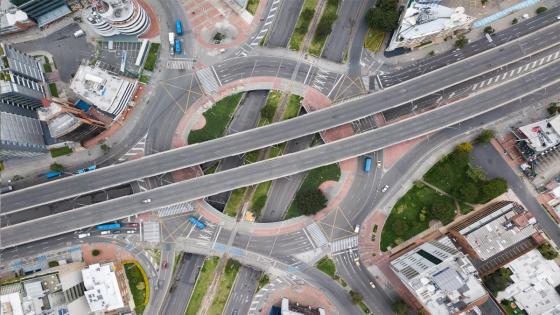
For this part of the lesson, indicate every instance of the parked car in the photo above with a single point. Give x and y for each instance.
(385, 188)
(372, 284)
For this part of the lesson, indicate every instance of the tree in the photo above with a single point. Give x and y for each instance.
(384, 16)
(105, 147)
(493, 188)
(57, 167)
(484, 137)
(541, 10)
(309, 202)
(461, 41)
(356, 297)
(399, 307)
(466, 147)
(547, 251)
(552, 109)
(489, 30)
(469, 192)
(432, 53)
(514, 21)
(95, 252)
(498, 281)
(476, 173)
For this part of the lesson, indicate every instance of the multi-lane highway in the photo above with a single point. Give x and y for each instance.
(283, 131)
(541, 80)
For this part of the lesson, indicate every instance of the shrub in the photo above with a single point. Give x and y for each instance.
(105, 147)
(399, 307)
(552, 109)
(53, 264)
(484, 137)
(384, 16)
(461, 41)
(469, 192)
(514, 21)
(311, 201)
(57, 167)
(489, 30)
(547, 251)
(95, 252)
(356, 297)
(466, 147)
(541, 10)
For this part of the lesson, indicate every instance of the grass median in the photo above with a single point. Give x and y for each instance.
(204, 280)
(53, 89)
(327, 266)
(302, 24)
(312, 181)
(324, 27)
(373, 40)
(153, 52)
(292, 109)
(56, 152)
(138, 284)
(234, 202)
(269, 109)
(217, 119)
(224, 288)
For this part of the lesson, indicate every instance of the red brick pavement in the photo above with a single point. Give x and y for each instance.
(393, 153)
(108, 251)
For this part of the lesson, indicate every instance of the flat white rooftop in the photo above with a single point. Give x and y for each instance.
(542, 135)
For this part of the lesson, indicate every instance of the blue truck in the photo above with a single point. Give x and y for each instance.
(108, 226)
(199, 224)
(179, 27)
(367, 164)
(178, 48)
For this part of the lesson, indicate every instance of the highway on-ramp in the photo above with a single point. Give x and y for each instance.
(279, 132)
(540, 81)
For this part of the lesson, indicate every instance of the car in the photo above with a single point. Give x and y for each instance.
(558, 17)
(83, 235)
(357, 228)
(372, 284)
(147, 200)
(385, 188)
(117, 232)
(378, 164)
(358, 263)
(131, 224)
(164, 264)
(130, 232)
(105, 232)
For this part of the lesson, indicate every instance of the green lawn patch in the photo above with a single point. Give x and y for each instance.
(277, 150)
(302, 24)
(373, 40)
(153, 52)
(259, 197)
(324, 27)
(205, 277)
(234, 202)
(252, 6)
(465, 208)
(292, 109)
(144, 78)
(53, 89)
(312, 181)
(56, 152)
(212, 169)
(252, 156)
(138, 286)
(47, 67)
(217, 119)
(269, 110)
(224, 288)
(412, 214)
(498, 281)
(264, 280)
(455, 175)
(327, 266)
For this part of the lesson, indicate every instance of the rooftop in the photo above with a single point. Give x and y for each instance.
(103, 292)
(534, 281)
(541, 135)
(499, 230)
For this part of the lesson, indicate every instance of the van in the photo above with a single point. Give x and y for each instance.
(83, 235)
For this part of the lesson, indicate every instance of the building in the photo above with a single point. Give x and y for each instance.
(21, 93)
(539, 138)
(13, 20)
(114, 17)
(288, 308)
(536, 284)
(107, 92)
(442, 278)
(43, 12)
(425, 22)
(103, 293)
(67, 122)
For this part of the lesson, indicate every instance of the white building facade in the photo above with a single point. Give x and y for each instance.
(117, 17)
(103, 293)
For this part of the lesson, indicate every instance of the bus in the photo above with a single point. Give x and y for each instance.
(367, 164)
(199, 224)
(179, 27)
(178, 48)
(53, 174)
(108, 226)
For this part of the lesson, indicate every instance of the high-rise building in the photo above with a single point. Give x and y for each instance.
(114, 17)
(12, 19)
(21, 93)
(43, 12)
(442, 278)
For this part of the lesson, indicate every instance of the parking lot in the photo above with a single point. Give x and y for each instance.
(112, 52)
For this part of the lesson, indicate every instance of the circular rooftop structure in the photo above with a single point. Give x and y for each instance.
(117, 17)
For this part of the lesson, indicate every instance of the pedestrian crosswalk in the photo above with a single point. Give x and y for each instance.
(137, 149)
(245, 49)
(175, 209)
(316, 234)
(180, 64)
(209, 82)
(345, 243)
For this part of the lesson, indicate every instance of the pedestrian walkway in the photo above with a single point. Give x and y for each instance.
(316, 234)
(344, 244)
(208, 81)
(175, 209)
(179, 64)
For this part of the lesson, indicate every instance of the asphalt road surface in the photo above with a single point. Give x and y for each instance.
(182, 285)
(284, 24)
(278, 132)
(242, 291)
(541, 81)
(342, 29)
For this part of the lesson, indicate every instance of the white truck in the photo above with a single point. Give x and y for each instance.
(172, 43)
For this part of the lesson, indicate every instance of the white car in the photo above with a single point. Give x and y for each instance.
(130, 232)
(385, 188)
(357, 228)
(105, 232)
(372, 284)
(83, 235)
(147, 200)
(378, 164)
